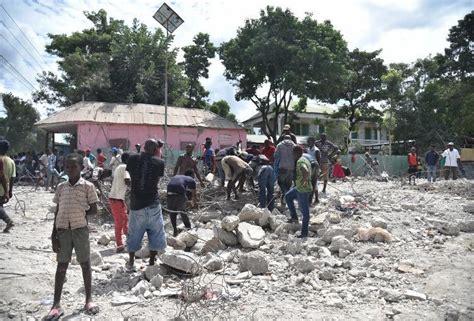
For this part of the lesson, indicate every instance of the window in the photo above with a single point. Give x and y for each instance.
(322, 129)
(368, 133)
(354, 135)
(304, 129)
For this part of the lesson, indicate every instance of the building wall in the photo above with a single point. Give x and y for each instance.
(92, 136)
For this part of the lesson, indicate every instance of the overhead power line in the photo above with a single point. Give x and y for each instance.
(24, 35)
(15, 71)
(18, 51)
(7, 68)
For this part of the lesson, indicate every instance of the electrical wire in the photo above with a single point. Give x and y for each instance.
(16, 73)
(27, 61)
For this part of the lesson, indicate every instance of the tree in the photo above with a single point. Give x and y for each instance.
(196, 65)
(111, 62)
(460, 54)
(17, 126)
(277, 56)
(222, 108)
(362, 85)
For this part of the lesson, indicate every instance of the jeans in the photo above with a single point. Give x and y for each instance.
(150, 220)
(266, 182)
(119, 212)
(285, 179)
(431, 169)
(303, 204)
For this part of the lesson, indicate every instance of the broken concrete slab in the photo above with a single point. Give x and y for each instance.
(255, 262)
(340, 242)
(250, 236)
(304, 265)
(175, 243)
(228, 238)
(183, 261)
(230, 223)
(254, 214)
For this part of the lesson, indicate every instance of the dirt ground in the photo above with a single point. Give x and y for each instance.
(360, 286)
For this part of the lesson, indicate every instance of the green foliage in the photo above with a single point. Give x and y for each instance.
(196, 65)
(459, 55)
(222, 108)
(111, 62)
(17, 125)
(284, 56)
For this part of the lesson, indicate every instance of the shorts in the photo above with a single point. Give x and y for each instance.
(77, 239)
(149, 220)
(412, 170)
(176, 202)
(325, 171)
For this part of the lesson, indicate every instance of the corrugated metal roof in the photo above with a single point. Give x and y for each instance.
(122, 113)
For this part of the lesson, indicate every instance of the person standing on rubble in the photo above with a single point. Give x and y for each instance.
(187, 162)
(8, 173)
(284, 157)
(412, 165)
(451, 159)
(180, 189)
(263, 172)
(314, 156)
(145, 210)
(232, 150)
(328, 150)
(301, 191)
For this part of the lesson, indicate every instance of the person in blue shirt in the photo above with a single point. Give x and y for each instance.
(180, 189)
(209, 156)
(431, 160)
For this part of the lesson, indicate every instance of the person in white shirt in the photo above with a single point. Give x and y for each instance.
(116, 159)
(451, 158)
(117, 201)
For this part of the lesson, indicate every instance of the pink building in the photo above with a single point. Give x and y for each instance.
(106, 125)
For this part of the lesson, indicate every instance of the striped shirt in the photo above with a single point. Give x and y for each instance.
(73, 202)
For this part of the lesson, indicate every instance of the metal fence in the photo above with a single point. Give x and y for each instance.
(393, 165)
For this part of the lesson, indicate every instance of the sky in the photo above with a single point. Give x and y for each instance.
(405, 30)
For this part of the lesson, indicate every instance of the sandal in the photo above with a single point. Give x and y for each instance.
(91, 308)
(55, 313)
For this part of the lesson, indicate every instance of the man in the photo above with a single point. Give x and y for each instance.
(209, 156)
(178, 192)
(287, 131)
(100, 158)
(412, 165)
(286, 165)
(145, 211)
(51, 169)
(328, 150)
(301, 191)
(60, 161)
(268, 150)
(43, 164)
(314, 156)
(116, 160)
(138, 148)
(87, 166)
(451, 158)
(219, 156)
(117, 201)
(187, 162)
(266, 181)
(6, 188)
(76, 199)
(91, 156)
(368, 162)
(159, 152)
(253, 150)
(236, 170)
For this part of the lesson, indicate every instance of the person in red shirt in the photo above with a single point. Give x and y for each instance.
(253, 150)
(268, 150)
(412, 165)
(100, 158)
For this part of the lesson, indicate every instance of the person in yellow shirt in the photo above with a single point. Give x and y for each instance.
(6, 188)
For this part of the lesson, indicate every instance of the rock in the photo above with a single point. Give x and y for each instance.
(409, 294)
(144, 252)
(213, 263)
(121, 299)
(326, 275)
(189, 238)
(466, 226)
(141, 287)
(204, 234)
(374, 251)
(324, 252)
(407, 268)
(444, 227)
(214, 245)
(334, 300)
(340, 242)
(376, 234)
(96, 258)
(318, 219)
(104, 240)
(147, 294)
(286, 228)
(274, 222)
(334, 218)
(357, 273)
(469, 208)
(157, 281)
(390, 295)
(408, 206)
(333, 231)
(206, 217)
(183, 261)
(343, 253)
(175, 243)
(293, 248)
(228, 238)
(153, 270)
(250, 236)
(254, 261)
(230, 223)
(378, 222)
(304, 265)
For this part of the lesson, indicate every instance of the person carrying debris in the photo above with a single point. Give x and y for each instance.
(145, 211)
(412, 165)
(187, 162)
(451, 159)
(75, 199)
(328, 150)
(180, 189)
(286, 165)
(7, 175)
(431, 160)
(236, 170)
(117, 201)
(301, 191)
(263, 172)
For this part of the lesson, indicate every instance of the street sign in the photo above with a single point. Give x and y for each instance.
(168, 18)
